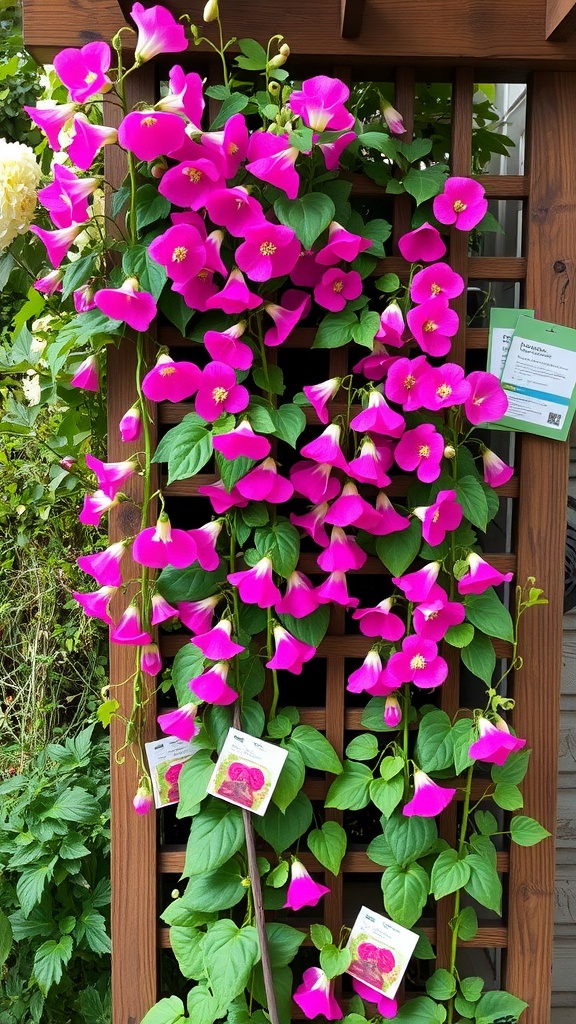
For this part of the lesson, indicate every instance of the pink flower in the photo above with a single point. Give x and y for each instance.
(96, 604)
(314, 481)
(136, 308)
(314, 996)
(271, 159)
(51, 121)
(488, 400)
(402, 382)
(424, 244)
(438, 279)
(392, 117)
(190, 183)
(320, 394)
(225, 347)
(86, 375)
(256, 585)
(336, 288)
(342, 553)
(88, 139)
(300, 598)
(84, 298)
(104, 566)
(295, 306)
(417, 585)
(220, 498)
(235, 209)
(320, 104)
(391, 326)
(418, 662)
(83, 72)
(205, 539)
(230, 144)
(496, 472)
(162, 546)
(303, 891)
(382, 520)
(264, 483)
(171, 381)
(94, 507)
(367, 676)
(130, 425)
(480, 576)
(429, 799)
(380, 621)
(66, 198)
(242, 442)
(307, 273)
(335, 589)
(462, 203)
(443, 386)
(387, 1007)
(57, 242)
(433, 324)
(212, 687)
(332, 151)
(184, 96)
(158, 32)
(143, 802)
(369, 467)
(50, 283)
(349, 508)
(217, 643)
(392, 712)
(270, 250)
(341, 245)
(494, 742)
(376, 365)
(421, 449)
(378, 417)
(326, 449)
(180, 723)
(235, 296)
(150, 659)
(290, 653)
(313, 524)
(181, 250)
(434, 616)
(129, 631)
(218, 392)
(161, 610)
(110, 475)
(198, 615)
(437, 519)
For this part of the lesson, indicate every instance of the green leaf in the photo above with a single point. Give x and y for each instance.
(473, 500)
(186, 448)
(363, 747)
(230, 953)
(426, 183)
(30, 885)
(261, 415)
(282, 830)
(93, 926)
(151, 206)
(291, 778)
(398, 550)
(290, 422)
(410, 837)
(508, 796)
(279, 876)
(188, 664)
(176, 310)
(526, 831)
(137, 262)
(364, 332)
(514, 768)
(387, 794)
(423, 949)
(471, 988)
(283, 943)
(192, 783)
(416, 150)
(5, 938)
(334, 961)
(203, 1007)
(462, 736)
(421, 1010)
(166, 1011)
(106, 711)
(448, 874)
(381, 142)
(217, 833)
(484, 884)
(217, 890)
(388, 283)
(486, 823)
(335, 330)
(380, 852)
(50, 959)
(351, 790)
(232, 470)
(434, 748)
(283, 985)
(317, 752)
(311, 629)
(328, 844)
(487, 612)
(237, 102)
(281, 541)
(254, 52)
(467, 924)
(78, 272)
(307, 216)
(494, 1005)
(459, 636)
(192, 584)
(441, 985)
(391, 766)
(373, 716)
(479, 657)
(88, 327)
(462, 1006)
(270, 380)
(72, 847)
(320, 935)
(405, 892)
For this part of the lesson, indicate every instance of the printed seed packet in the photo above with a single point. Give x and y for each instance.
(165, 760)
(380, 951)
(247, 771)
(502, 325)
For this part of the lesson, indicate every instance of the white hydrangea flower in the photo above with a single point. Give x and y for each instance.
(31, 387)
(19, 176)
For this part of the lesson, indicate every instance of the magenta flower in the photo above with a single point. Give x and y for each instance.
(320, 104)
(190, 182)
(480, 576)
(341, 245)
(314, 481)
(416, 586)
(375, 365)
(197, 290)
(271, 159)
(212, 685)
(256, 585)
(342, 553)
(50, 283)
(158, 32)
(181, 250)
(205, 539)
(88, 139)
(136, 308)
(129, 630)
(487, 401)
(382, 520)
(326, 449)
(320, 394)
(314, 996)
(96, 604)
(424, 244)
(332, 151)
(392, 712)
(437, 519)
(336, 288)
(84, 298)
(242, 442)
(348, 508)
(391, 326)
(433, 323)
(290, 653)
(180, 723)
(230, 144)
(392, 117)
(496, 472)
(184, 95)
(495, 742)
(300, 598)
(264, 483)
(402, 382)
(380, 621)
(161, 610)
(83, 71)
(130, 425)
(217, 643)
(367, 676)
(87, 376)
(66, 198)
(335, 589)
(218, 392)
(110, 475)
(235, 209)
(150, 659)
(429, 799)
(370, 466)
(104, 566)
(162, 546)
(143, 801)
(307, 273)
(462, 203)
(303, 891)
(171, 381)
(51, 121)
(421, 449)
(378, 417)
(198, 615)
(220, 498)
(313, 524)
(57, 242)
(443, 386)
(418, 662)
(387, 1007)
(94, 507)
(235, 296)
(438, 279)
(295, 306)
(434, 616)
(270, 250)
(225, 347)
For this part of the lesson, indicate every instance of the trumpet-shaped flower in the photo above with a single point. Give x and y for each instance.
(66, 198)
(437, 519)
(494, 743)
(57, 242)
(269, 250)
(380, 621)
(348, 508)
(423, 244)
(496, 472)
(290, 653)
(271, 159)
(230, 144)
(205, 538)
(94, 507)
(198, 615)
(150, 659)
(300, 598)
(143, 801)
(326, 448)
(402, 382)
(480, 576)
(51, 121)
(462, 203)
(50, 283)
(307, 272)
(128, 303)
(416, 586)
(235, 209)
(320, 394)
(303, 891)
(88, 140)
(87, 376)
(96, 604)
(315, 997)
(487, 401)
(392, 712)
(313, 524)
(190, 183)
(320, 104)
(171, 381)
(437, 279)
(130, 425)
(434, 616)
(387, 1008)
(367, 676)
(335, 589)
(129, 631)
(337, 287)
(181, 249)
(181, 722)
(220, 498)
(392, 117)
(242, 442)
(332, 151)
(217, 643)
(256, 585)
(378, 417)
(212, 686)
(383, 519)
(421, 449)
(295, 306)
(158, 32)
(264, 483)
(161, 610)
(392, 326)
(161, 546)
(443, 386)
(375, 366)
(235, 296)
(84, 298)
(314, 481)
(342, 553)
(83, 71)
(184, 95)
(433, 323)
(341, 245)
(110, 475)
(218, 392)
(429, 799)
(225, 347)
(104, 566)
(370, 466)
(418, 662)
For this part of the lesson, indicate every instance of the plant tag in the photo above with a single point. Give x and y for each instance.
(247, 771)
(502, 325)
(165, 760)
(380, 952)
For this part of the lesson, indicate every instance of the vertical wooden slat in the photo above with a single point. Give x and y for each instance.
(133, 866)
(461, 165)
(404, 102)
(551, 229)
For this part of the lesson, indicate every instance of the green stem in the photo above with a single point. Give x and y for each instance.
(406, 734)
(271, 397)
(270, 650)
(461, 846)
(221, 52)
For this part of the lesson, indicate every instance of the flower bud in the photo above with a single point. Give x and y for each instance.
(449, 452)
(277, 61)
(273, 88)
(158, 168)
(175, 894)
(392, 712)
(211, 12)
(392, 117)
(67, 462)
(285, 50)
(143, 801)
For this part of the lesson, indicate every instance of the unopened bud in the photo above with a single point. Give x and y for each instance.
(211, 11)
(158, 168)
(175, 894)
(285, 50)
(392, 117)
(277, 61)
(449, 452)
(273, 88)
(194, 31)
(67, 462)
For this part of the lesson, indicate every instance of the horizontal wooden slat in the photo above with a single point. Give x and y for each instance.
(330, 647)
(489, 937)
(303, 337)
(497, 186)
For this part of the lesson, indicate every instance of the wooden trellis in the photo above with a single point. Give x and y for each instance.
(490, 41)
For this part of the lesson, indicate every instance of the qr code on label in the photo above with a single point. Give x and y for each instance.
(554, 419)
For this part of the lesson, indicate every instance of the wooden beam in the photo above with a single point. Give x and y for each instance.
(560, 19)
(351, 14)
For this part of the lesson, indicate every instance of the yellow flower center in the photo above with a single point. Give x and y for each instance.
(435, 289)
(166, 371)
(477, 401)
(459, 206)
(149, 122)
(232, 148)
(193, 173)
(338, 286)
(203, 275)
(436, 516)
(179, 254)
(90, 77)
(424, 451)
(429, 326)
(418, 662)
(219, 394)
(444, 391)
(267, 248)
(409, 382)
